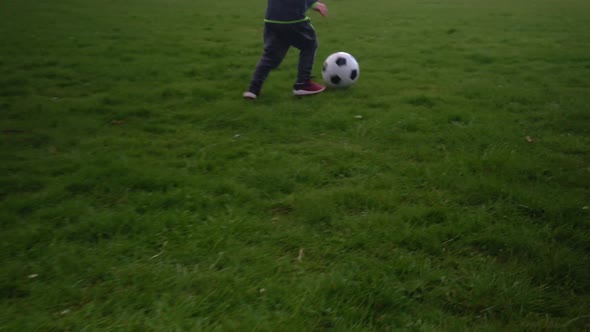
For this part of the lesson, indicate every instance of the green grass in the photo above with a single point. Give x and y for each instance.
(138, 192)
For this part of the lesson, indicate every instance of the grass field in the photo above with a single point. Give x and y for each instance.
(448, 190)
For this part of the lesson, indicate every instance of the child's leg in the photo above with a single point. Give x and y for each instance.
(275, 49)
(304, 38)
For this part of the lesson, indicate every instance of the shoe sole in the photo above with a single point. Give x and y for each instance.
(307, 92)
(249, 96)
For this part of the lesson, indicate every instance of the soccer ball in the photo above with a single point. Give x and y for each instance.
(340, 70)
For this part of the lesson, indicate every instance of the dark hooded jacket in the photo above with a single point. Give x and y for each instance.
(288, 11)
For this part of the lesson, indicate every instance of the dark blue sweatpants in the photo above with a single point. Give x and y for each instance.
(277, 40)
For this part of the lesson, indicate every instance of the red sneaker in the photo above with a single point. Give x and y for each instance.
(308, 88)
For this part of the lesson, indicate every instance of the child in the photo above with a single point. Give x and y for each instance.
(286, 25)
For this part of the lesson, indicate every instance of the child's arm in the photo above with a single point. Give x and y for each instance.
(321, 8)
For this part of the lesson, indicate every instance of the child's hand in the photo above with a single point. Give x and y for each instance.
(321, 8)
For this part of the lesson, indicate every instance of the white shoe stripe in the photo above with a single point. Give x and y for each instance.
(307, 92)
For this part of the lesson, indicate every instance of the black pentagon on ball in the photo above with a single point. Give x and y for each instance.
(353, 74)
(341, 62)
(325, 66)
(335, 79)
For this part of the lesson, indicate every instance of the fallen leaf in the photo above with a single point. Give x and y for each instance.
(530, 139)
